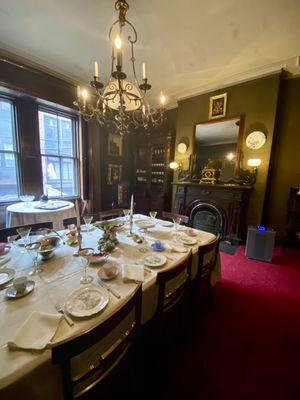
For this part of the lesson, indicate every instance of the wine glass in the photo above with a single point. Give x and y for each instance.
(27, 199)
(24, 234)
(11, 240)
(85, 258)
(87, 220)
(176, 221)
(33, 249)
(153, 215)
(126, 213)
(143, 248)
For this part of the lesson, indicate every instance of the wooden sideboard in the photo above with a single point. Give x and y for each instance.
(229, 204)
(292, 232)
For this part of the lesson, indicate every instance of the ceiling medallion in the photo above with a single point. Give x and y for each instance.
(121, 103)
(255, 140)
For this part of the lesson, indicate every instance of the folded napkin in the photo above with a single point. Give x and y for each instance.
(36, 332)
(133, 272)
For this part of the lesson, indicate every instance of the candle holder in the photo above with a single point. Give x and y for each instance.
(145, 85)
(79, 240)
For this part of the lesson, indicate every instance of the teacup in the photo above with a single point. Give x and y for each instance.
(191, 232)
(109, 269)
(20, 284)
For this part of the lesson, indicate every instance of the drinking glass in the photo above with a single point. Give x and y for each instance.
(32, 249)
(87, 220)
(176, 221)
(85, 259)
(153, 215)
(24, 233)
(143, 248)
(27, 199)
(126, 213)
(11, 240)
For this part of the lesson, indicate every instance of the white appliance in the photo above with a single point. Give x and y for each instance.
(260, 243)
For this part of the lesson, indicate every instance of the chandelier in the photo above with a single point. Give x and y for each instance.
(121, 103)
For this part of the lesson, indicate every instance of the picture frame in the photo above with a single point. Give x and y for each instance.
(114, 174)
(217, 106)
(115, 145)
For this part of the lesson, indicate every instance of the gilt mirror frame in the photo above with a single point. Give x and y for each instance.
(239, 143)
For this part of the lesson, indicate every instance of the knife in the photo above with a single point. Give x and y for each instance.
(112, 291)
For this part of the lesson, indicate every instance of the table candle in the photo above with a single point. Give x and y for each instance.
(131, 205)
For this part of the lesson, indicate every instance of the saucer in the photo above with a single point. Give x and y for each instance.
(11, 293)
(6, 275)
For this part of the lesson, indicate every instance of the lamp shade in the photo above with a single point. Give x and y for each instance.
(174, 165)
(254, 162)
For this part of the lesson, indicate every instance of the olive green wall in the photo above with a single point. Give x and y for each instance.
(286, 159)
(257, 101)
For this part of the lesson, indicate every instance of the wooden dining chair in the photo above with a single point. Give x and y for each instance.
(207, 260)
(168, 215)
(12, 231)
(93, 376)
(114, 213)
(173, 285)
(73, 220)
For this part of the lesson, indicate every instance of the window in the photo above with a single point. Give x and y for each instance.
(9, 157)
(59, 154)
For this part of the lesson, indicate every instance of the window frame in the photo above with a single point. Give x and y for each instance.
(16, 145)
(75, 158)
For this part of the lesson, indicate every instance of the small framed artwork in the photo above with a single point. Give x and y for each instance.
(114, 174)
(217, 106)
(115, 145)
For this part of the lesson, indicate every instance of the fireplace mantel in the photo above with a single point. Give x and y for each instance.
(230, 200)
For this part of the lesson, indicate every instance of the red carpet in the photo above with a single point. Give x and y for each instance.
(246, 346)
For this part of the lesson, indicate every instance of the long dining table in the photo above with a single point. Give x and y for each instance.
(31, 372)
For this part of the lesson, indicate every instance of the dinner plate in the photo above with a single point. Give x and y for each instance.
(12, 293)
(166, 224)
(6, 275)
(144, 224)
(155, 260)
(87, 301)
(187, 240)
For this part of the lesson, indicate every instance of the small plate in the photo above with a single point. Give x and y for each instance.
(187, 240)
(87, 301)
(6, 275)
(166, 224)
(107, 275)
(155, 260)
(144, 224)
(11, 293)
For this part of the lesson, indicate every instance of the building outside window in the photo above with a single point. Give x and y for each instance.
(59, 154)
(9, 156)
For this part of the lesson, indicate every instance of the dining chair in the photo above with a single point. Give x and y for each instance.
(114, 213)
(173, 285)
(73, 220)
(94, 375)
(168, 215)
(6, 232)
(207, 260)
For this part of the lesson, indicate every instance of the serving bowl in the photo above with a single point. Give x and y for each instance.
(48, 246)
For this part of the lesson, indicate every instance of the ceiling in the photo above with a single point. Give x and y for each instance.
(189, 46)
(214, 133)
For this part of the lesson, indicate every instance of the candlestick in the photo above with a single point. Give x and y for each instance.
(96, 70)
(77, 214)
(144, 70)
(78, 92)
(131, 214)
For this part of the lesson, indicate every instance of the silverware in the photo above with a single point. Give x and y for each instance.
(59, 309)
(112, 291)
(148, 270)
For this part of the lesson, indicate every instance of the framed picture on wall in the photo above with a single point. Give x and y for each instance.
(217, 106)
(115, 145)
(114, 174)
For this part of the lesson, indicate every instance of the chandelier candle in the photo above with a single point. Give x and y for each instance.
(96, 70)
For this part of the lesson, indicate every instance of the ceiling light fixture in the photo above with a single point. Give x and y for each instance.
(121, 103)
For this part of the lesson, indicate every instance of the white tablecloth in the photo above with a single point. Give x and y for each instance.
(22, 214)
(26, 372)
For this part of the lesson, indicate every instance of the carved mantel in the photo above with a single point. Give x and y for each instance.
(231, 202)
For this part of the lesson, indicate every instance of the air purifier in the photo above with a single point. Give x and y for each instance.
(260, 243)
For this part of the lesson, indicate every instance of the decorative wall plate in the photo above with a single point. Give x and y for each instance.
(255, 140)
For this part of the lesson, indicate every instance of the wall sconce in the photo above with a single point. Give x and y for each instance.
(175, 166)
(254, 162)
(183, 145)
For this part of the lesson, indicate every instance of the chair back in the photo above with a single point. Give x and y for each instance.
(104, 361)
(73, 220)
(207, 258)
(6, 232)
(168, 215)
(173, 285)
(114, 213)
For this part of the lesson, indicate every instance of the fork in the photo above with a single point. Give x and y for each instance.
(59, 309)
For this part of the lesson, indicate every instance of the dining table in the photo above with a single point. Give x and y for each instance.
(26, 213)
(31, 374)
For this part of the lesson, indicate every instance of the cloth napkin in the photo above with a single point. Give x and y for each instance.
(133, 272)
(36, 332)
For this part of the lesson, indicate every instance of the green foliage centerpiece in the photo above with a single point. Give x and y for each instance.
(109, 240)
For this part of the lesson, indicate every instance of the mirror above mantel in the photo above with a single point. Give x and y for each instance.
(217, 146)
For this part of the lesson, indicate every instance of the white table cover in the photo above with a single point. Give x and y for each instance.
(26, 372)
(22, 214)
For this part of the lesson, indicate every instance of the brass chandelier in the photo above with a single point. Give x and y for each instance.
(121, 103)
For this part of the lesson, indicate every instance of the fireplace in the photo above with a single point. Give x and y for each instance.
(207, 217)
(214, 208)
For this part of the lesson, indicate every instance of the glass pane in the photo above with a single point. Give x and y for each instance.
(6, 126)
(48, 133)
(66, 145)
(69, 179)
(8, 177)
(51, 176)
